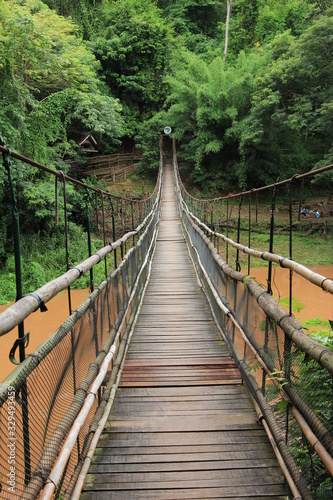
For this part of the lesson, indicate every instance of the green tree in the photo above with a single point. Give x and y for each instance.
(243, 24)
(134, 46)
(277, 17)
(44, 50)
(84, 12)
(290, 116)
(49, 89)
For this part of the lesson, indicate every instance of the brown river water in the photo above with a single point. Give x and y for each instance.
(42, 325)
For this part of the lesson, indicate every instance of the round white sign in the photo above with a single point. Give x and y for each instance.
(167, 130)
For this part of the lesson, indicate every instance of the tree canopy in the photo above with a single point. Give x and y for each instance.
(121, 68)
(133, 45)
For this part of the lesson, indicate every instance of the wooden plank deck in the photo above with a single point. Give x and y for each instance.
(182, 425)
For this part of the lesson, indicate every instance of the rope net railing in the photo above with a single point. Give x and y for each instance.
(52, 403)
(288, 373)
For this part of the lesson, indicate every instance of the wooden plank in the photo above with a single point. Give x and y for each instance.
(232, 437)
(195, 362)
(182, 466)
(223, 460)
(218, 391)
(213, 451)
(250, 493)
(234, 422)
(186, 479)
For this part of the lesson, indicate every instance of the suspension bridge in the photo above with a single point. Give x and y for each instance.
(179, 377)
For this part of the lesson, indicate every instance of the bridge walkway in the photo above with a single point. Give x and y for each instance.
(182, 424)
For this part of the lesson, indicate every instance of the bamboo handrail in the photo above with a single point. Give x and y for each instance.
(315, 278)
(324, 455)
(37, 482)
(291, 327)
(263, 188)
(17, 312)
(296, 494)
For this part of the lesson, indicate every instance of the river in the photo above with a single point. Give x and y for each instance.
(42, 325)
(317, 302)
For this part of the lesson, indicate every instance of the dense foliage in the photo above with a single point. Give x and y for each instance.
(133, 45)
(135, 65)
(265, 112)
(124, 69)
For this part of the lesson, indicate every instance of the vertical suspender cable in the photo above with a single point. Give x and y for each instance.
(97, 214)
(238, 267)
(249, 239)
(104, 234)
(56, 201)
(132, 221)
(89, 238)
(62, 175)
(269, 280)
(227, 234)
(114, 231)
(287, 341)
(300, 201)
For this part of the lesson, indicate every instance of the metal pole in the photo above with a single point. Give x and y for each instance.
(269, 280)
(22, 338)
(89, 239)
(104, 233)
(249, 240)
(113, 231)
(132, 222)
(238, 267)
